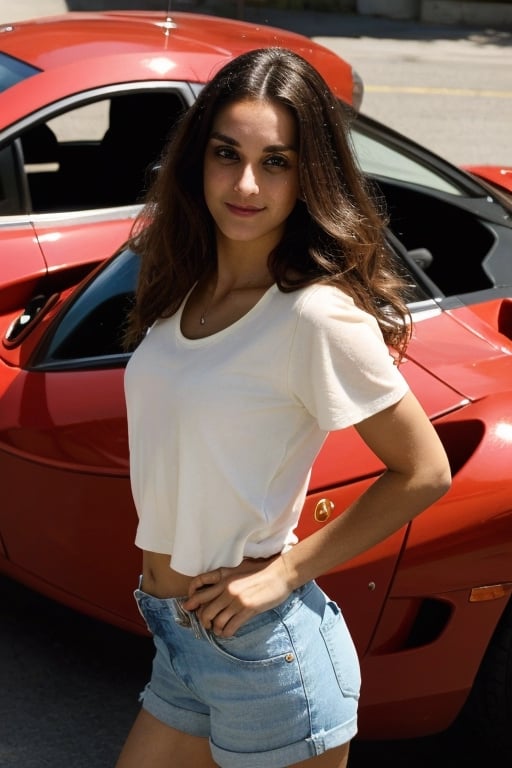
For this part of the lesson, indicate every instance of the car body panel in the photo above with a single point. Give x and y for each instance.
(61, 237)
(425, 701)
(472, 363)
(499, 175)
(34, 247)
(27, 264)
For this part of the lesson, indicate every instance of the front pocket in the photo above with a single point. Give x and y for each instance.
(264, 645)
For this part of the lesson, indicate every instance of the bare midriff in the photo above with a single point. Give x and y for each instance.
(159, 579)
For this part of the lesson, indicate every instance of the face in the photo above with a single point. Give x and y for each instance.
(251, 179)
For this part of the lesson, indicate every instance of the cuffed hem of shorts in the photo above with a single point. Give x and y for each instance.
(184, 720)
(289, 754)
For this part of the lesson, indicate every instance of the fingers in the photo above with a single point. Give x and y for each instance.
(218, 622)
(225, 614)
(226, 598)
(213, 602)
(205, 580)
(204, 588)
(216, 610)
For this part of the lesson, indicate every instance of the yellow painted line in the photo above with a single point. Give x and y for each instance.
(418, 90)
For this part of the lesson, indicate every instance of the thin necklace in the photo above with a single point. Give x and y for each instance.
(206, 308)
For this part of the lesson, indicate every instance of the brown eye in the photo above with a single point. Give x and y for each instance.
(277, 161)
(226, 153)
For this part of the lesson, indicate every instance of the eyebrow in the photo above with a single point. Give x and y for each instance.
(234, 143)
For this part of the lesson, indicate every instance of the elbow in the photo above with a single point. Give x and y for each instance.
(443, 485)
(439, 481)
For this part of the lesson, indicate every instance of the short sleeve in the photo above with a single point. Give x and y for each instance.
(340, 368)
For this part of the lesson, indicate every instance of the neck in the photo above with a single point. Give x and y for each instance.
(240, 262)
(237, 274)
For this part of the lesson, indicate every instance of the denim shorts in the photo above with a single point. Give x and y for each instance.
(285, 688)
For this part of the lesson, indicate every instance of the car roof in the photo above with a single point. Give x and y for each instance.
(57, 40)
(194, 42)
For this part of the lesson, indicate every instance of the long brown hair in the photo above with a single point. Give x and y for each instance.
(335, 234)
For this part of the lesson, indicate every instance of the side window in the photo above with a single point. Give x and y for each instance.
(84, 125)
(430, 209)
(13, 71)
(379, 159)
(93, 325)
(99, 154)
(11, 199)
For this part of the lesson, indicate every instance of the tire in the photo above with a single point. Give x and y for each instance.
(487, 715)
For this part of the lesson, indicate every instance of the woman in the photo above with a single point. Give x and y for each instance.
(271, 303)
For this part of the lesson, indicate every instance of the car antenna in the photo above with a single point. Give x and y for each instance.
(168, 23)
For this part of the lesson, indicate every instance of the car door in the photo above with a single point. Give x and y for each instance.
(67, 519)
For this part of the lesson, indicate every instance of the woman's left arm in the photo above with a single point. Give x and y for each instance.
(417, 474)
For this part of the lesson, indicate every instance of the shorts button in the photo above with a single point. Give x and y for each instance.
(289, 657)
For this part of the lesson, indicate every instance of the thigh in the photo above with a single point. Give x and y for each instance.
(333, 758)
(152, 744)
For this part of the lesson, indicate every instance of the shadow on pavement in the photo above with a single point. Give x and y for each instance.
(313, 23)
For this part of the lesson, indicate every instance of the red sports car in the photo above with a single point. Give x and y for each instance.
(429, 608)
(86, 100)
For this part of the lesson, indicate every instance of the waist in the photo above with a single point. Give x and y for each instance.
(161, 580)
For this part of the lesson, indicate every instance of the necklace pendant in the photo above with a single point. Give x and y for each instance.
(202, 320)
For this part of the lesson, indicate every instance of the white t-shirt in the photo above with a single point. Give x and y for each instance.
(223, 430)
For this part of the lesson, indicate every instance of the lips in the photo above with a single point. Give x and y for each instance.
(243, 210)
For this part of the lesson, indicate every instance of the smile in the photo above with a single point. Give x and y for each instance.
(239, 210)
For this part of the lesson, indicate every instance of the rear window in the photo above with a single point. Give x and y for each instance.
(13, 71)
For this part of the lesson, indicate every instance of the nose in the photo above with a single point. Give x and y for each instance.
(247, 183)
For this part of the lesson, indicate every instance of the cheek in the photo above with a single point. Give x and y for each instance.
(289, 194)
(214, 179)
(210, 186)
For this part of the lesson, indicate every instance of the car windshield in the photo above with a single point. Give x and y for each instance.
(379, 159)
(13, 71)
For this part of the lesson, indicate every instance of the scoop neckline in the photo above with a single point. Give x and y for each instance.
(212, 337)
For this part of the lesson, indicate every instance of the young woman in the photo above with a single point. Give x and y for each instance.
(272, 305)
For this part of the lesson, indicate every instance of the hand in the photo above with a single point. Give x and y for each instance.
(226, 598)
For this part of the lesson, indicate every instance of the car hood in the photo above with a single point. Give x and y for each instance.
(467, 347)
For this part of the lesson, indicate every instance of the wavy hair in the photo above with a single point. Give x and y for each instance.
(335, 234)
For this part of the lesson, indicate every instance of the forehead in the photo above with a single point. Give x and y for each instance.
(251, 118)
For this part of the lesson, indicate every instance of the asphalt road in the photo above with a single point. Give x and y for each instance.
(454, 96)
